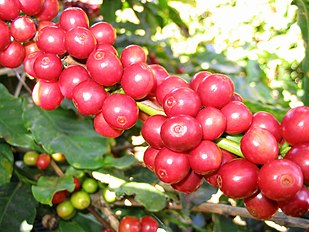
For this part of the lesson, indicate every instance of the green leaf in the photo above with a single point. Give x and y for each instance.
(109, 8)
(145, 194)
(12, 128)
(6, 163)
(46, 187)
(69, 226)
(62, 131)
(175, 17)
(223, 223)
(119, 163)
(16, 205)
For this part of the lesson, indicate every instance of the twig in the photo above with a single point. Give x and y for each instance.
(22, 81)
(56, 168)
(92, 210)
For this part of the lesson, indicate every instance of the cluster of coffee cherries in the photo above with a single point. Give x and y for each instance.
(134, 224)
(184, 145)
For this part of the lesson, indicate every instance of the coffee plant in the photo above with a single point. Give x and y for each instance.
(76, 94)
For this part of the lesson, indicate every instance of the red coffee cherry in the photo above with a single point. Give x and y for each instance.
(23, 28)
(60, 196)
(149, 157)
(30, 47)
(238, 178)
(197, 79)
(88, 97)
(280, 179)
(49, 11)
(132, 54)
(29, 62)
(107, 48)
(31, 7)
(171, 167)
(5, 39)
(47, 95)
(51, 39)
(216, 90)
(13, 55)
(189, 184)
(104, 33)
(73, 17)
(120, 111)
(103, 128)
(129, 224)
(148, 224)
(151, 130)
(9, 9)
(160, 73)
(48, 67)
(43, 161)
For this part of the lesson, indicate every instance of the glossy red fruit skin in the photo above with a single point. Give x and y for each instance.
(237, 97)
(299, 154)
(205, 158)
(170, 83)
(238, 117)
(137, 80)
(43, 161)
(297, 205)
(197, 78)
(238, 178)
(189, 184)
(132, 54)
(73, 17)
(70, 77)
(48, 67)
(151, 130)
(120, 111)
(181, 133)
(259, 146)
(47, 95)
(88, 97)
(171, 167)
(103, 128)
(280, 179)
(295, 125)
(80, 42)
(267, 121)
(104, 67)
(23, 28)
(216, 90)
(212, 178)
(77, 184)
(5, 39)
(160, 73)
(49, 10)
(107, 48)
(29, 62)
(149, 157)
(51, 39)
(104, 33)
(30, 47)
(129, 224)
(43, 24)
(182, 101)
(9, 9)
(260, 206)
(31, 7)
(60, 196)
(213, 122)
(148, 224)
(12, 56)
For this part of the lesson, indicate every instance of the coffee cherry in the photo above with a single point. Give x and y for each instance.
(88, 97)
(108, 195)
(120, 111)
(205, 158)
(171, 167)
(151, 130)
(107, 48)
(129, 224)
(160, 73)
(30, 158)
(60, 196)
(29, 63)
(80, 42)
(48, 67)
(295, 125)
(299, 154)
(90, 185)
(104, 67)
(197, 79)
(13, 55)
(30, 47)
(238, 117)
(181, 133)
(237, 97)
(47, 95)
(238, 178)
(182, 101)
(49, 10)
(73, 17)
(58, 157)
(104, 33)
(43, 161)
(43, 24)
(189, 184)
(103, 128)
(9, 9)
(5, 39)
(31, 7)
(80, 200)
(213, 122)
(280, 179)
(132, 54)
(149, 157)
(51, 39)
(77, 184)
(65, 210)
(70, 77)
(23, 28)
(260, 206)
(259, 146)
(148, 224)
